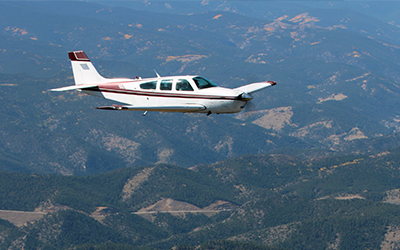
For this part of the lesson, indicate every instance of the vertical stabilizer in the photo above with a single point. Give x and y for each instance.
(83, 70)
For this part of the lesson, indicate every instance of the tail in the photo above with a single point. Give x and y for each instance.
(83, 70)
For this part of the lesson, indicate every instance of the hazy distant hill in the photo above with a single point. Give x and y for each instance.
(337, 84)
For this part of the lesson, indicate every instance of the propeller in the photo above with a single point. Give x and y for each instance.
(245, 97)
(249, 106)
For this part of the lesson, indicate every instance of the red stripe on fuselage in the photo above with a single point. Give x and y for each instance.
(117, 90)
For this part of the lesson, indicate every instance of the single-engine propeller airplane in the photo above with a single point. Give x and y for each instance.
(187, 94)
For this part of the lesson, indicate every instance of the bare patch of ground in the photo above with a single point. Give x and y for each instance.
(220, 205)
(333, 140)
(304, 131)
(392, 197)
(167, 204)
(333, 97)
(180, 208)
(359, 77)
(354, 134)
(335, 244)
(134, 182)
(20, 218)
(101, 213)
(49, 207)
(392, 239)
(349, 197)
(393, 122)
(275, 119)
(164, 155)
(226, 143)
(185, 58)
(380, 154)
(336, 139)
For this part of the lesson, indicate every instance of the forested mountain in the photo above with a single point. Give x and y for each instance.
(255, 201)
(311, 164)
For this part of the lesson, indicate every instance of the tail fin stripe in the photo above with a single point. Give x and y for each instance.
(78, 56)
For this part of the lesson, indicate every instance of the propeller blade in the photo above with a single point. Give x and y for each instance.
(245, 97)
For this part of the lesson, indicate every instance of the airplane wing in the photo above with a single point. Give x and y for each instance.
(167, 108)
(254, 87)
(73, 87)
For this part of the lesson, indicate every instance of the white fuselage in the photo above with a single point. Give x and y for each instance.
(165, 94)
(169, 91)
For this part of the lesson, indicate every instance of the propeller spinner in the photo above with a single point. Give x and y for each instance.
(245, 97)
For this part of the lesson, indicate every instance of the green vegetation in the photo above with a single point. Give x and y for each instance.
(181, 184)
(135, 228)
(223, 244)
(275, 201)
(8, 232)
(69, 228)
(26, 192)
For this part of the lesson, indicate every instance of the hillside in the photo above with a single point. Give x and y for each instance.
(271, 201)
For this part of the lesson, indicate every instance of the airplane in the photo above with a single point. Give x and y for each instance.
(187, 94)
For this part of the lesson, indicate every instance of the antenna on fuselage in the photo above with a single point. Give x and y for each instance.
(158, 76)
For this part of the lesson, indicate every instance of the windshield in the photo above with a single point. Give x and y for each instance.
(203, 83)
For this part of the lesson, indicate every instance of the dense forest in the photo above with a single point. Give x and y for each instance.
(270, 201)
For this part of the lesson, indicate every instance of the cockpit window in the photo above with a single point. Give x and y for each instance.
(203, 83)
(149, 85)
(166, 85)
(183, 85)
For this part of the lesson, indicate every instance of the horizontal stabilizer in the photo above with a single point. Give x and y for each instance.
(167, 108)
(254, 87)
(73, 87)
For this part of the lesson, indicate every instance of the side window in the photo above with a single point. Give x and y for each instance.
(149, 85)
(166, 85)
(183, 85)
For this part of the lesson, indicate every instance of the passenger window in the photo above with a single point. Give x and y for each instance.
(183, 85)
(149, 85)
(166, 85)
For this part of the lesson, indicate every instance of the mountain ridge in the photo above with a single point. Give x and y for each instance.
(272, 200)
